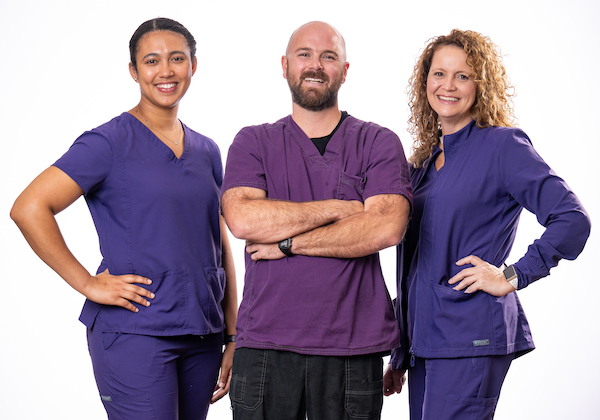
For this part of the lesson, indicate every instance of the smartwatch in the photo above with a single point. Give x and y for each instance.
(510, 274)
(285, 245)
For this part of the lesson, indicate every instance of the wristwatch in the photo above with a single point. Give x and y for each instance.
(229, 339)
(510, 274)
(285, 245)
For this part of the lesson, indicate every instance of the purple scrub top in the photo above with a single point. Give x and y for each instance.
(314, 305)
(156, 216)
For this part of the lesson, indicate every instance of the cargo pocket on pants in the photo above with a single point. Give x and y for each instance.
(247, 381)
(364, 388)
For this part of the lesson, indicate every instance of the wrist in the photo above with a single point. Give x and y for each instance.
(510, 275)
(285, 247)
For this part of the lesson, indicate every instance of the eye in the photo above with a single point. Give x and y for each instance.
(151, 61)
(437, 74)
(329, 57)
(463, 77)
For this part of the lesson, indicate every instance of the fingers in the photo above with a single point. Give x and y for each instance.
(471, 259)
(121, 291)
(222, 387)
(393, 381)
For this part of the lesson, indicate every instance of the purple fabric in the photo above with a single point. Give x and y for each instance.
(472, 207)
(142, 377)
(156, 216)
(313, 305)
(456, 389)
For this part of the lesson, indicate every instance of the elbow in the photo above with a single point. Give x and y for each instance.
(18, 212)
(580, 231)
(237, 227)
(388, 237)
(393, 237)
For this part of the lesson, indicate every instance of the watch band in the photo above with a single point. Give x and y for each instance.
(285, 245)
(229, 339)
(510, 274)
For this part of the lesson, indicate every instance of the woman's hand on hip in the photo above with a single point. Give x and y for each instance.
(482, 276)
(107, 289)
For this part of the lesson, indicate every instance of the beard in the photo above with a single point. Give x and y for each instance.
(314, 99)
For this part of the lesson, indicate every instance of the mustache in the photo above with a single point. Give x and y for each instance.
(315, 74)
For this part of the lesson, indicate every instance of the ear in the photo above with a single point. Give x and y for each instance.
(132, 71)
(346, 66)
(194, 65)
(284, 66)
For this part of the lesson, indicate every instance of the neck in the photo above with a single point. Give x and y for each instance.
(453, 126)
(161, 118)
(316, 123)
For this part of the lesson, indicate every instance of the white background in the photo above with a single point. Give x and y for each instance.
(64, 71)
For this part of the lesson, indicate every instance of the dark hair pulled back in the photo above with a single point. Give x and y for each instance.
(159, 24)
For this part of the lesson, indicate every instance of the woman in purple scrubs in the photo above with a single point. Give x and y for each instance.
(473, 173)
(163, 300)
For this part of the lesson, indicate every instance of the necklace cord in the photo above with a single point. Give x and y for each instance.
(163, 134)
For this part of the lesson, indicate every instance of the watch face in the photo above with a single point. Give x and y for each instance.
(509, 273)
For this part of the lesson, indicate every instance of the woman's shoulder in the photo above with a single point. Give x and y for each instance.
(114, 129)
(502, 137)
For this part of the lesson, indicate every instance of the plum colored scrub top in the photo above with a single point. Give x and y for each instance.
(156, 216)
(315, 305)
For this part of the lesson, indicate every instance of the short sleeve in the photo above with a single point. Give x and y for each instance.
(244, 166)
(217, 164)
(387, 171)
(88, 161)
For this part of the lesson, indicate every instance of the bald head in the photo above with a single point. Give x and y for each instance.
(313, 32)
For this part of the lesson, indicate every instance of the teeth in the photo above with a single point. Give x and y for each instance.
(309, 79)
(166, 85)
(448, 98)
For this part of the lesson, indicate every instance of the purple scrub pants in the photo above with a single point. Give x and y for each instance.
(149, 377)
(456, 389)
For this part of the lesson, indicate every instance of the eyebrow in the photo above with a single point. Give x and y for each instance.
(153, 54)
(312, 49)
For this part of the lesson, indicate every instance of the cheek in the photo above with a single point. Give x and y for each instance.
(431, 89)
(472, 92)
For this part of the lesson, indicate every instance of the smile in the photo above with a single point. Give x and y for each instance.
(166, 85)
(310, 79)
(448, 98)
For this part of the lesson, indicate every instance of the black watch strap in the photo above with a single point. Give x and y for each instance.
(229, 339)
(285, 245)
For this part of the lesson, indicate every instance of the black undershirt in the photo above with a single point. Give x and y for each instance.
(321, 142)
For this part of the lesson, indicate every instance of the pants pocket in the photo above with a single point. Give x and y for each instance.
(247, 380)
(127, 407)
(364, 387)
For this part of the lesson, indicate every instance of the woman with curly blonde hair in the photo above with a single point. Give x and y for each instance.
(457, 307)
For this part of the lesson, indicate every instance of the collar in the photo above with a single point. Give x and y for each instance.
(455, 140)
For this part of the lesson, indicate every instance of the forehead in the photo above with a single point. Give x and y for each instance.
(318, 37)
(162, 41)
(450, 55)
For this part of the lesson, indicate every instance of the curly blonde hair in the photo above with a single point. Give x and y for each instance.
(493, 101)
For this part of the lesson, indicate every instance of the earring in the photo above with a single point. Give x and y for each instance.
(135, 80)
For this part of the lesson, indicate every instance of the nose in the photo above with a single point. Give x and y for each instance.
(449, 83)
(165, 69)
(316, 63)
